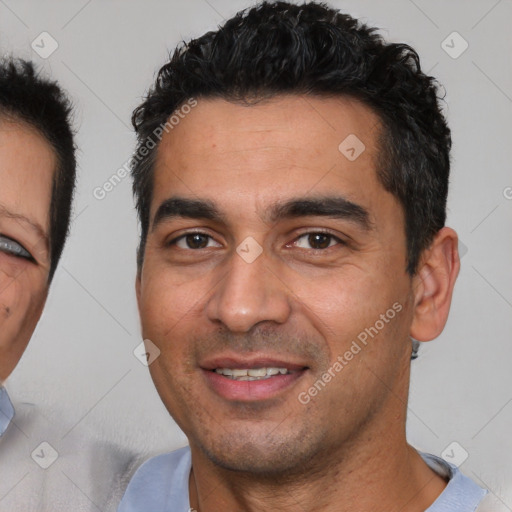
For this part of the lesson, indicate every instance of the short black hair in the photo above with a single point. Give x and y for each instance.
(281, 48)
(29, 98)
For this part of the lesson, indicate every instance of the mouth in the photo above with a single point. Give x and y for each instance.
(255, 380)
(243, 374)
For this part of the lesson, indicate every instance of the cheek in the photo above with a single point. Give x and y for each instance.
(21, 302)
(343, 306)
(14, 300)
(166, 304)
(168, 320)
(341, 298)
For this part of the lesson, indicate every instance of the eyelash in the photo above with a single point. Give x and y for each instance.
(338, 240)
(22, 253)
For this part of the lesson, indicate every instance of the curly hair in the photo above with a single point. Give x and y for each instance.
(28, 98)
(311, 49)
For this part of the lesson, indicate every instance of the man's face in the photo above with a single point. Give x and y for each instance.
(27, 163)
(232, 181)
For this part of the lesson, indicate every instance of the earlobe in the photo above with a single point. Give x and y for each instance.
(433, 286)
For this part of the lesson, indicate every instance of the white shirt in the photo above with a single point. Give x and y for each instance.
(44, 470)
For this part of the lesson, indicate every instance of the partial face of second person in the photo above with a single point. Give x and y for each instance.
(27, 164)
(261, 178)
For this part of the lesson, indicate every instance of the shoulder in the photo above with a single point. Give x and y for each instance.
(461, 493)
(159, 481)
(78, 466)
(163, 466)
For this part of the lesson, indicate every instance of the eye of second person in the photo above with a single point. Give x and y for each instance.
(13, 248)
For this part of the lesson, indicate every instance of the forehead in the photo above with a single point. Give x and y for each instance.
(27, 164)
(286, 146)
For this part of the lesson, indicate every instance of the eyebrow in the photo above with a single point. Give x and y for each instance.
(186, 208)
(34, 226)
(336, 207)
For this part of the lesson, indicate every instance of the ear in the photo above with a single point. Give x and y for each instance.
(433, 285)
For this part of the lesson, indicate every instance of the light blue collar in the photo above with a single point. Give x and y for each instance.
(461, 493)
(6, 410)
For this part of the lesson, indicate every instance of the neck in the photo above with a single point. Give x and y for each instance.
(394, 477)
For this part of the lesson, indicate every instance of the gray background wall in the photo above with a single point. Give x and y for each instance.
(81, 357)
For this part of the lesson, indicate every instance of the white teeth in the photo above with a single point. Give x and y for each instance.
(250, 374)
(257, 372)
(239, 373)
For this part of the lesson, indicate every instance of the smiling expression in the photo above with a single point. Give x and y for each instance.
(268, 252)
(27, 163)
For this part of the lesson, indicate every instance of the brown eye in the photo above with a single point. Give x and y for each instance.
(316, 241)
(319, 240)
(195, 241)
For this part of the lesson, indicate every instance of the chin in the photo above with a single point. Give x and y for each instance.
(266, 457)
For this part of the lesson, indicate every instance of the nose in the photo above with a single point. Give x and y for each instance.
(249, 293)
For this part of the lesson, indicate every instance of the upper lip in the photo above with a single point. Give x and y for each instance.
(248, 362)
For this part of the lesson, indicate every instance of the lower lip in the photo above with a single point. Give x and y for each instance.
(250, 390)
